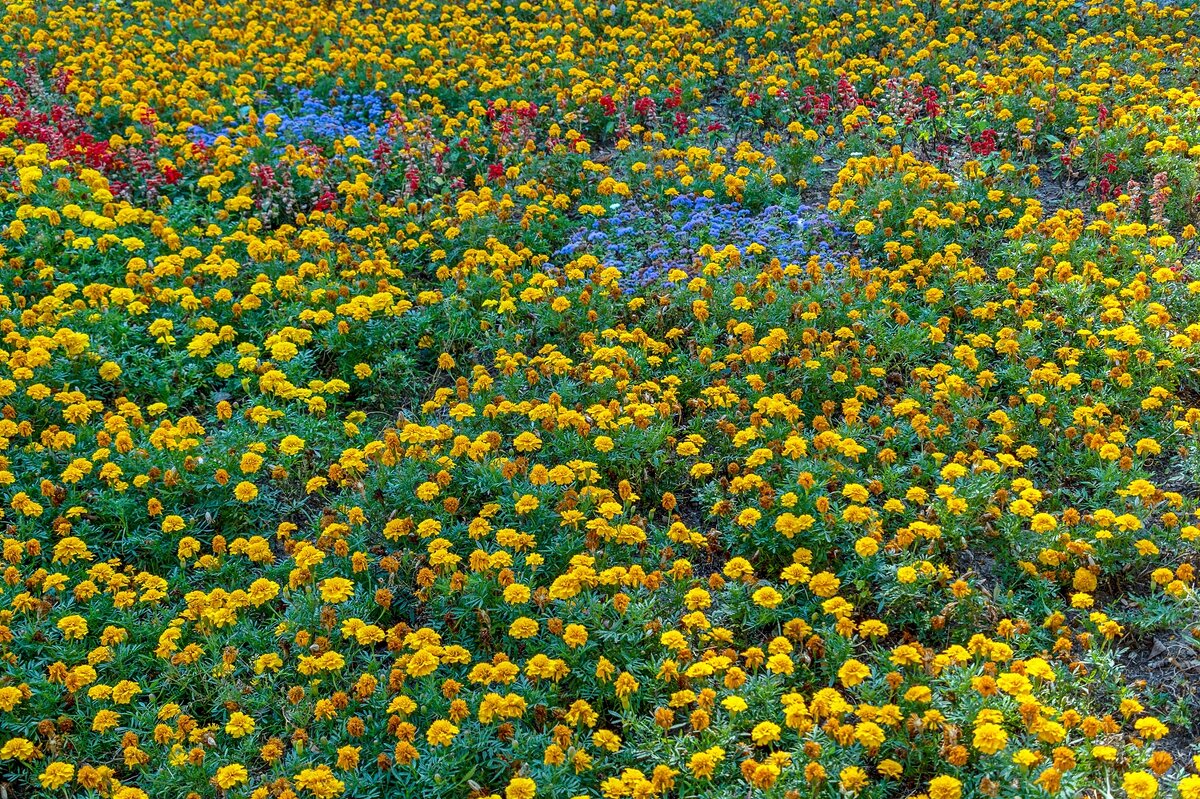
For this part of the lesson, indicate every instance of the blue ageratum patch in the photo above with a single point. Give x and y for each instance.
(646, 243)
(305, 117)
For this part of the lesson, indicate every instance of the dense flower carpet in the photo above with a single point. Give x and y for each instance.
(701, 398)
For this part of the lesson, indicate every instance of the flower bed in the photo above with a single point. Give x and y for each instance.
(691, 399)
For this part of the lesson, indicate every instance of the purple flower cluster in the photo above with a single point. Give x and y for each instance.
(646, 243)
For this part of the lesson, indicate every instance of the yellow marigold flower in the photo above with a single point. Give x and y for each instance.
(767, 597)
(56, 775)
(520, 788)
(245, 491)
(606, 740)
(1189, 787)
(866, 546)
(10, 697)
(320, 782)
(421, 663)
(124, 692)
(853, 673)
(1146, 547)
(703, 764)
(1043, 523)
(824, 584)
(1039, 668)
(239, 725)
(73, 627)
(336, 589)
(1151, 728)
(765, 733)
(990, 738)
(516, 594)
(945, 787)
(789, 525)
(625, 685)
(231, 776)
(697, 599)
(69, 549)
(17, 749)
(737, 568)
(441, 733)
(527, 442)
(1025, 758)
(748, 517)
(1139, 785)
(292, 445)
(1148, 446)
(523, 628)
(575, 635)
(852, 779)
(105, 720)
